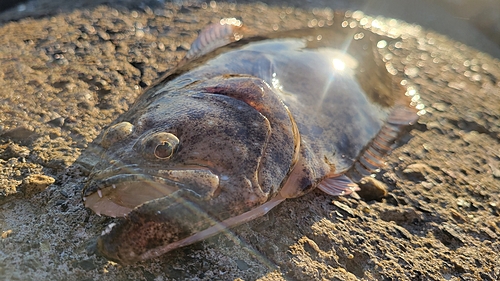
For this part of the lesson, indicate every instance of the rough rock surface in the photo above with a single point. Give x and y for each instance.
(65, 77)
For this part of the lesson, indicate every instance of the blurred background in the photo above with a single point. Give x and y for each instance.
(473, 22)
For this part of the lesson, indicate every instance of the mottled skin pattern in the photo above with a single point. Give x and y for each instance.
(218, 129)
(235, 112)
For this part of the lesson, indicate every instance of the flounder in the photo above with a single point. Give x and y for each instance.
(244, 122)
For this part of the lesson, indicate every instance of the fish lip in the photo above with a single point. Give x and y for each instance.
(116, 195)
(116, 175)
(114, 170)
(94, 186)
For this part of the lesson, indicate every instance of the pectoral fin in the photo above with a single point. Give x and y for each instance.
(338, 185)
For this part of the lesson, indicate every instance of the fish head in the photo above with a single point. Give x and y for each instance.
(197, 142)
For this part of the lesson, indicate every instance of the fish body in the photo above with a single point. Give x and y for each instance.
(241, 124)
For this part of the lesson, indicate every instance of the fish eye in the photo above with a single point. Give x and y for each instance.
(160, 145)
(164, 150)
(116, 133)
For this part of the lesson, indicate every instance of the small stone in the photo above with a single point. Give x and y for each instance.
(36, 183)
(424, 207)
(489, 232)
(417, 172)
(87, 265)
(427, 185)
(405, 233)
(463, 203)
(457, 216)
(494, 168)
(392, 199)
(57, 122)
(20, 133)
(400, 215)
(242, 265)
(434, 125)
(344, 208)
(453, 231)
(13, 150)
(372, 189)
(6, 233)
(439, 106)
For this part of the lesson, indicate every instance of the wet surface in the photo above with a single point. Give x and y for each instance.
(474, 23)
(66, 77)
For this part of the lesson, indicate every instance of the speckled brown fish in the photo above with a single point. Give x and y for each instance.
(243, 123)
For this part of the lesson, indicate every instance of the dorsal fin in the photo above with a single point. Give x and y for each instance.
(214, 36)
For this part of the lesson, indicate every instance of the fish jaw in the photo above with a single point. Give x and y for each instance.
(118, 195)
(149, 226)
(141, 236)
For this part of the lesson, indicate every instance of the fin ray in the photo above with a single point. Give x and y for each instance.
(338, 185)
(214, 36)
(371, 158)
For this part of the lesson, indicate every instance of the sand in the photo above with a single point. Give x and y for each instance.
(66, 76)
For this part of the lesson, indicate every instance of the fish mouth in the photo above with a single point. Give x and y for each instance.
(117, 195)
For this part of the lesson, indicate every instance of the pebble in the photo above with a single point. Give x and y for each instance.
(405, 233)
(344, 208)
(57, 122)
(36, 183)
(372, 189)
(13, 150)
(20, 133)
(6, 233)
(453, 231)
(417, 172)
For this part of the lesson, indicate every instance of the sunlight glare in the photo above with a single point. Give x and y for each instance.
(338, 64)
